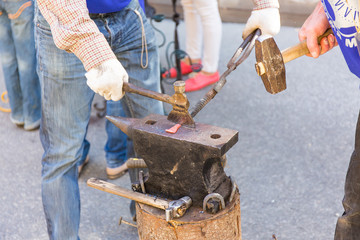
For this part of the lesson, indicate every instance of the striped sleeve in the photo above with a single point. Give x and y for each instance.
(261, 4)
(75, 32)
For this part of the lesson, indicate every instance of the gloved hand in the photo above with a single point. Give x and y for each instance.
(107, 79)
(267, 19)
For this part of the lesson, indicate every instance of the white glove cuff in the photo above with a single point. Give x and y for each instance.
(268, 20)
(262, 4)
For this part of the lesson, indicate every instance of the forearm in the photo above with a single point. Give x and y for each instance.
(261, 4)
(314, 26)
(75, 32)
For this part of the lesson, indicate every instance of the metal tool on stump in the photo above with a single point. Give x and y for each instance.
(194, 225)
(173, 209)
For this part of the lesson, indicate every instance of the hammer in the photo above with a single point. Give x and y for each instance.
(178, 100)
(270, 62)
(173, 209)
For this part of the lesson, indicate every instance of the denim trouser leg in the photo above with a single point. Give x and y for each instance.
(9, 65)
(17, 53)
(115, 147)
(66, 108)
(126, 42)
(348, 225)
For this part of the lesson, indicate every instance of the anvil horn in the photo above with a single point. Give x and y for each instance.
(122, 123)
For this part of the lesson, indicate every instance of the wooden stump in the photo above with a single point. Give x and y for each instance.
(194, 225)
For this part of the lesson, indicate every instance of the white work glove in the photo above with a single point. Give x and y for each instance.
(107, 79)
(267, 19)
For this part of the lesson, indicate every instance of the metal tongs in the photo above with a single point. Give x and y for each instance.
(240, 55)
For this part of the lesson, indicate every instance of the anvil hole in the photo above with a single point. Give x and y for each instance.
(150, 122)
(215, 136)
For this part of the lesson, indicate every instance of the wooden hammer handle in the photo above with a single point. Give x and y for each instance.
(300, 49)
(130, 88)
(126, 193)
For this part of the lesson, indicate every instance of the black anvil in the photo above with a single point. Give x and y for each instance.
(187, 163)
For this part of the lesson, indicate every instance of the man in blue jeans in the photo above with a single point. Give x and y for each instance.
(115, 36)
(17, 55)
(118, 147)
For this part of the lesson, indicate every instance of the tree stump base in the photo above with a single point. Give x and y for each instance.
(194, 225)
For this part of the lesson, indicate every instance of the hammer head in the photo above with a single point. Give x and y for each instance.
(270, 65)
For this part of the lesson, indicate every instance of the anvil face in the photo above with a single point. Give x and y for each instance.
(187, 163)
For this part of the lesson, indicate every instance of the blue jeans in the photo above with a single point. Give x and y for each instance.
(116, 144)
(17, 54)
(66, 108)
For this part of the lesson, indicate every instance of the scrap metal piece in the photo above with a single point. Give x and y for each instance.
(187, 163)
(213, 196)
(177, 208)
(173, 129)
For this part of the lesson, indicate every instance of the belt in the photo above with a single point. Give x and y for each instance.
(100, 15)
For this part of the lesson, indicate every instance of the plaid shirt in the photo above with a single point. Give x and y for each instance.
(261, 4)
(75, 32)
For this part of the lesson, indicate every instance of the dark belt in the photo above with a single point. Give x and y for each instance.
(100, 15)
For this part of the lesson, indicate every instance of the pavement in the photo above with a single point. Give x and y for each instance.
(289, 163)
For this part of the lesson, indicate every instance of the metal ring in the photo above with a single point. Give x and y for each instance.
(211, 196)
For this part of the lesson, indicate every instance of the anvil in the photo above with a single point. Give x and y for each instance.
(187, 163)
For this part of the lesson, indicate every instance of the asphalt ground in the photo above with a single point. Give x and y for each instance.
(289, 163)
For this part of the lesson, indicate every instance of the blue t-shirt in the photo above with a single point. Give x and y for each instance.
(109, 6)
(342, 15)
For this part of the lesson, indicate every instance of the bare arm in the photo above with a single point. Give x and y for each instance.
(315, 25)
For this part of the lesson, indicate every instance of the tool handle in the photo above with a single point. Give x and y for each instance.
(300, 49)
(136, 163)
(130, 88)
(126, 193)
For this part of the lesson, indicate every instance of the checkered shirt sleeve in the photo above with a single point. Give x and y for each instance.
(261, 4)
(75, 32)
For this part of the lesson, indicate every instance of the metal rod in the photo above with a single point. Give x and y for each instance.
(121, 220)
